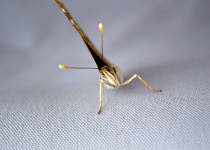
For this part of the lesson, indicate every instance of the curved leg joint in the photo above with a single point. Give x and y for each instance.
(142, 80)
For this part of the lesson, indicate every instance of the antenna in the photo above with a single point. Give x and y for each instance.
(100, 26)
(67, 67)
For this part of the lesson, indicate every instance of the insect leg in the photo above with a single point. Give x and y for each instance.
(142, 80)
(100, 91)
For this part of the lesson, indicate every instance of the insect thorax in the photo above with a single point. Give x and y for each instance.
(111, 76)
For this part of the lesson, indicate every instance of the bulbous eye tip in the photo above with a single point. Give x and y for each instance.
(63, 67)
(100, 26)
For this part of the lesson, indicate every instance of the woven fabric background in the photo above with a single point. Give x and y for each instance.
(42, 107)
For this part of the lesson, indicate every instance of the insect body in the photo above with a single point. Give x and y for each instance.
(110, 75)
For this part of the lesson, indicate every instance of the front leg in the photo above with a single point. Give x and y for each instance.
(100, 91)
(142, 80)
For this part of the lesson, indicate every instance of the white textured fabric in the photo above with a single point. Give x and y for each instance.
(42, 107)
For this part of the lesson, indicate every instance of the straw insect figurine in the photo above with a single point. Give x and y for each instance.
(110, 75)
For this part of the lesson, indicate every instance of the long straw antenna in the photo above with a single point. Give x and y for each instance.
(100, 26)
(67, 67)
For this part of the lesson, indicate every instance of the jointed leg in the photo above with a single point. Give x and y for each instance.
(100, 89)
(142, 80)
